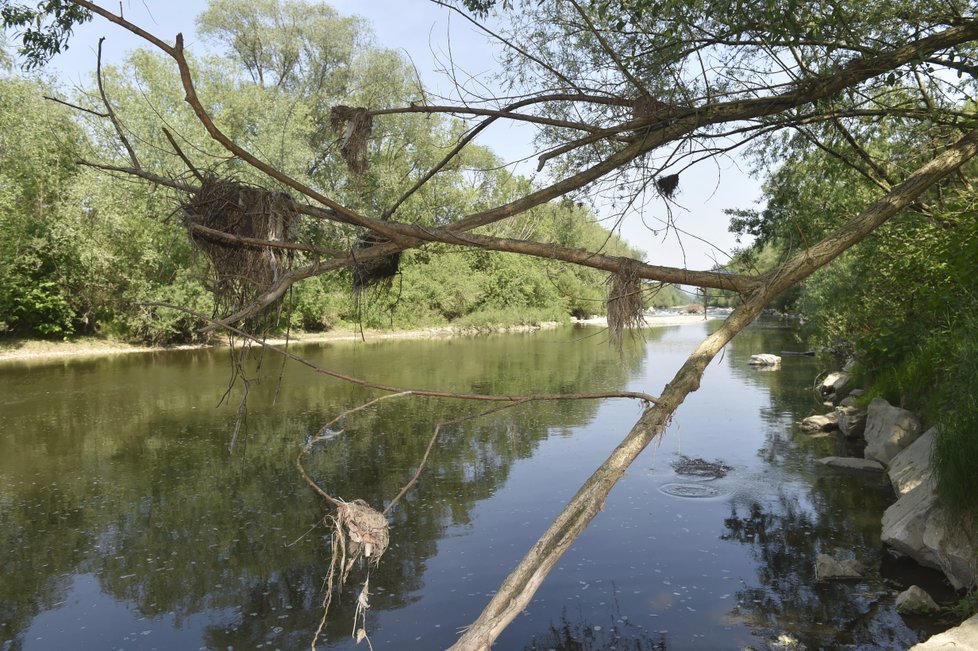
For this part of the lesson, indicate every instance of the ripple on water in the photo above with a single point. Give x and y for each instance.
(692, 490)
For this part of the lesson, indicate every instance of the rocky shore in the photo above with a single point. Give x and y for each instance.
(917, 525)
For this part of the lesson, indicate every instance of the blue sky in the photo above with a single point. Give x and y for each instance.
(427, 33)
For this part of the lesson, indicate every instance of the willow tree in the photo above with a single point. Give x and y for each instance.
(626, 96)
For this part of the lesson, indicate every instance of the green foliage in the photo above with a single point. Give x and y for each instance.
(44, 29)
(905, 295)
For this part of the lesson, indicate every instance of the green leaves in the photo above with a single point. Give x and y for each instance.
(44, 29)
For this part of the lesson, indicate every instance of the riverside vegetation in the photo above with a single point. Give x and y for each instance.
(81, 251)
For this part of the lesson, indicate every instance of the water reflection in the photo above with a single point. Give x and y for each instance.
(117, 469)
(126, 524)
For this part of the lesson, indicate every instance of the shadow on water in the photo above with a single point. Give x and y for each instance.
(126, 523)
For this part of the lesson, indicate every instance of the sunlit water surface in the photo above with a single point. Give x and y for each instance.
(125, 523)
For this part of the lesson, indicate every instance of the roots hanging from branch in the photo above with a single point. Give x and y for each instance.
(353, 125)
(626, 303)
(224, 219)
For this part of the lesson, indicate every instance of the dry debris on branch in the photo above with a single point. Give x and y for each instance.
(626, 303)
(375, 272)
(353, 126)
(242, 213)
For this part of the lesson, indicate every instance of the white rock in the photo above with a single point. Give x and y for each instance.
(919, 526)
(852, 463)
(833, 384)
(821, 423)
(912, 466)
(959, 638)
(915, 601)
(889, 430)
(764, 359)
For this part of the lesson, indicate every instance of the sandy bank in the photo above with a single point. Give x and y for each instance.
(15, 351)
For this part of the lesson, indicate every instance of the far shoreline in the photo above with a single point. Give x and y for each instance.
(87, 347)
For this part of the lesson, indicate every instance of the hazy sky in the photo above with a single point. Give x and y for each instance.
(427, 34)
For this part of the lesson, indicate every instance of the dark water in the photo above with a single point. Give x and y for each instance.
(126, 524)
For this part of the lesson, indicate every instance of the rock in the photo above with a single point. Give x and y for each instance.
(919, 526)
(912, 466)
(852, 420)
(915, 601)
(830, 569)
(825, 423)
(889, 429)
(852, 463)
(764, 359)
(959, 638)
(832, 386)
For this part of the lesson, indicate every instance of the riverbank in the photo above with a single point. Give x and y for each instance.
(26, 350)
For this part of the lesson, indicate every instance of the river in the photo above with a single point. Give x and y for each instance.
(125, 523)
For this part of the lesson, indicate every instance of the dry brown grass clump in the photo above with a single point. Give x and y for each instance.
(353, 125)
(366, 530)
(375, 272)
(242, 268)
(626, 303)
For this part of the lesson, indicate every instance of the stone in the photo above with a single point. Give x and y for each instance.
(852, 463)
(852, 420)
(830, 569)
(915, 601)
(913, 465)
(764, 359)
(824, 423)
(889, 430)
(832, 386)
(919, 526)
(959, 638)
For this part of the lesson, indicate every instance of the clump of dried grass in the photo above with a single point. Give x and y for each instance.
(626, 303)
(242, 270)
(375, 272)
(667, 185)
(353, 125)
(359, 532)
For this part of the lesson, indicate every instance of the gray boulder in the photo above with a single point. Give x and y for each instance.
(852, 463)
(889, 430)
(852, 420)
(915, 601)
(919, 526)
(831, 388)
(830, 569)
(959, 638)
(821, 423)
(912, 466)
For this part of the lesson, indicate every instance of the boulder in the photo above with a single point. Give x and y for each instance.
(889, 430)
(852, 463)
(912, 466)
(831, 388)
(830, 569)
(959, 638)
(919, 526)
(764, 359)
(852, 420)
(824, 423)
(915, 601)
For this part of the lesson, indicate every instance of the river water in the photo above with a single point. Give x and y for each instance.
(125, 523)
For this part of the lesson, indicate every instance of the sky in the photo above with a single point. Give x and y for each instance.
(430, 35)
